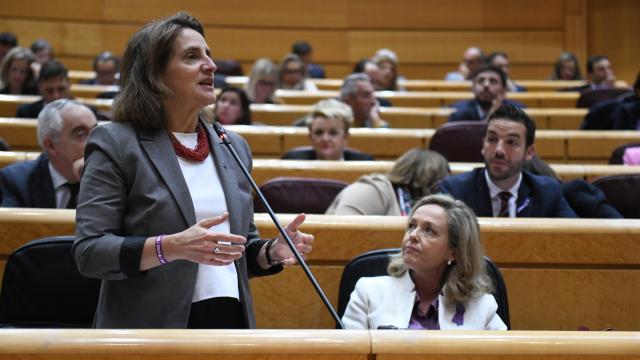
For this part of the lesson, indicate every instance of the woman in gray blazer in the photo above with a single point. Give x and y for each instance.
(164, 215)
(438, 281)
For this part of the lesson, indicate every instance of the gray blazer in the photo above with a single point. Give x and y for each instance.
(132, 188)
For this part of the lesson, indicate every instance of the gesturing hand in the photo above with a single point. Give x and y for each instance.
(280, 250)
(200, 245)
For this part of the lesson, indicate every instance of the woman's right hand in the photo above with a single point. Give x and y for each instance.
(200, 245)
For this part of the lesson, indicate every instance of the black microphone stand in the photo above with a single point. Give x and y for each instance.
(225, 140)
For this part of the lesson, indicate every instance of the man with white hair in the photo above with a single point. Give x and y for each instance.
(358, 92)
(52, 180)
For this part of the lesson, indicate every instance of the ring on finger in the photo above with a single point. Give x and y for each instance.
(217, 250)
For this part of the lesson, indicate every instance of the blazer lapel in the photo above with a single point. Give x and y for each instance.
(524, 207)
(225, 166)
(160, 151)
(482, 197)
(41, 186)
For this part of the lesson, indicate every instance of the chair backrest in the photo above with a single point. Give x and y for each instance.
(618, 153)
(621, 192)
(295, 195)
(43, 288)
(590, 98)
(459, 141)
(374, 263)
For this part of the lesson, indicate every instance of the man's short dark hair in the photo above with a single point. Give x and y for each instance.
(491, 68)
(593, 60)
(514, 113)
(52, 69)
(301, 48)
(7, 38)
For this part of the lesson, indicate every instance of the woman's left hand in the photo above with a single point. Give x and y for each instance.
(280, 250)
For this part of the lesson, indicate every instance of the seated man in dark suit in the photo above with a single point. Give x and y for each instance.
(52, 180)
(328, 124)
(600, 73)
(626, 116)
(489, 84)
(53, 84)
(502, 188)
(107, 67)
(304, 50)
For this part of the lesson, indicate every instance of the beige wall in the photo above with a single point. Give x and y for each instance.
(428, 35)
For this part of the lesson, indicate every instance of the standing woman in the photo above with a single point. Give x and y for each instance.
(165, 217)
(16, 75)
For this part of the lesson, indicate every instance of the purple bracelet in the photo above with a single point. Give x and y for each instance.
(161, 258)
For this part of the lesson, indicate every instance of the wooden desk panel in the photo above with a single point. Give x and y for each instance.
(9, 103)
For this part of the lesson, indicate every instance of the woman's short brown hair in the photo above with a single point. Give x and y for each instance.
(419, 170)
(145, 60)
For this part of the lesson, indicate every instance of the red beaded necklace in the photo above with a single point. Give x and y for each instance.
(199, 153)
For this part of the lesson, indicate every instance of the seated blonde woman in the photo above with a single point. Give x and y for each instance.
(393, 193)
(262, 84)
(437, 282)
(328, 124)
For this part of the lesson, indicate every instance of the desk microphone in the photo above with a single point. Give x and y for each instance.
(222, 134)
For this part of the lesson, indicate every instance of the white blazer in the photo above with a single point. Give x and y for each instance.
(388, 300)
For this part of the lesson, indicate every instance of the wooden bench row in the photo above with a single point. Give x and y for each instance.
(560, 146)
(266, 169)
(398, 117)
(397, 98)
(560, 273)
(408, 84)
(418, 118)
(439, 85)
(315, 344)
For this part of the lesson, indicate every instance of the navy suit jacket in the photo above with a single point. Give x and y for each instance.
(538, 196)
(310, 154)
(28, 184)
(468, 109)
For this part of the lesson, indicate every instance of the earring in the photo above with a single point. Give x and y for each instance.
(449, 263)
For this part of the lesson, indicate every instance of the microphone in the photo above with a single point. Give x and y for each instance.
(222, 134)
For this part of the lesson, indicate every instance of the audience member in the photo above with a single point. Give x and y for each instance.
(358, 93)
(501, 60)
(394, 193)
(372, 70)
(305, 52)
(387, 62)
(232, 107)
(16, 74)
(107, 68)
(438, 281)
(51, 181)
(7, 42)
(502, 188)
(53, 84)
(600, 74)
(293, 74)
(328, 124)
(587, 200)
(488, 87)
(472, 59)
(626, 115)
(262, 86)
(43, 52)
(566, 68)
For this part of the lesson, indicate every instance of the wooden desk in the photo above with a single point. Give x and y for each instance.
(315, 344)
(184, 344)
(416, 117)
(560, 273)
(9, 103)
(438, 85)
(436, 98)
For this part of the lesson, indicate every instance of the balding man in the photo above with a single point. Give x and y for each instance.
(52, 180)
(472, 59)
